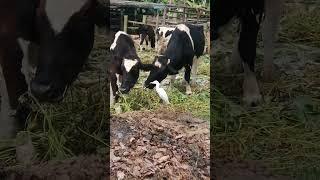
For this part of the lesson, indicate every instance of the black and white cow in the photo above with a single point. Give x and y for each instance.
(163, 35)
(124, 67)
(62, 31)
(185, 46)
(147, 34)
(250, 17)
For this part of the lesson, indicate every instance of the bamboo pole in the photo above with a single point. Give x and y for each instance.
(164, 16)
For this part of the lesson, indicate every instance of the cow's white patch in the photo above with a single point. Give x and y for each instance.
(118, 79)
(7, 121)
(168, 62)
(184, 28)
(129, 63)
(27, 69)
(114, 44)
(111, 96)
(163, 30)
(157, 64)
(60, 11)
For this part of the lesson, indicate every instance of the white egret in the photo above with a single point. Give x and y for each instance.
(161, 92)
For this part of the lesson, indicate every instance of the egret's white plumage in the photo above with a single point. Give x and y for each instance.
(161, 92)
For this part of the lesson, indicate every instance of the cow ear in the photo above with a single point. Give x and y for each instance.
(146, 67)
(101, 15)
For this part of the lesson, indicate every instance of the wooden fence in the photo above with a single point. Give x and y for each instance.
(128, 15)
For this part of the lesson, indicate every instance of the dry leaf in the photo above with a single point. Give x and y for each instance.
(120, 175)
(163, 159)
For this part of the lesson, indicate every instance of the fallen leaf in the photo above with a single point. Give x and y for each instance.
(113, 157)
(163, 159)
(120, 175)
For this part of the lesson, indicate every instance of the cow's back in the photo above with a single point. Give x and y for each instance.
(197, 34)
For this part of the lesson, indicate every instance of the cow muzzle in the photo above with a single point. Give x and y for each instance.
(124, 90)
(45, 92)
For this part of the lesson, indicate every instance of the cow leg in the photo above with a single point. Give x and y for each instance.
(147, 40)
(234, 64)
(8, 127)
(114, 87)
(152, 41)
(187, 79)
(172, 79)
(194, 70)
(142, 38)
(273, 9)
(12, 87)
(247, 50)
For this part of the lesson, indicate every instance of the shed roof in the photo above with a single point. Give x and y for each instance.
(136, 4)
(149, 5)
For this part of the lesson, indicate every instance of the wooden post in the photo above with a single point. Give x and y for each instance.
(121, 19)
(157, 19)
(144, 19)
(185, 14)
(125, 23)
(198, 14)
(164, 16)
(157, 25)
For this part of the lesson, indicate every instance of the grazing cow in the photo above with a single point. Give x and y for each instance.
(62, 31)
(250, 18)
(125, 65)
(163, 37)
(186, 45)
(146, 33)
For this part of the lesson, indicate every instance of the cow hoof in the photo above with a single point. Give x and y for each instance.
(25, 152)
(118, 109)
(193, 83)
(251, 92)
(252, 100)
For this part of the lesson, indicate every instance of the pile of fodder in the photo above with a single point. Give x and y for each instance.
(283, 131)
(302, 26)
(159, 144)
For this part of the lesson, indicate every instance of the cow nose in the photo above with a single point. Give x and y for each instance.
(39, 90)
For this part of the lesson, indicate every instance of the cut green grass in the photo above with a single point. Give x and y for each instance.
(145, 99)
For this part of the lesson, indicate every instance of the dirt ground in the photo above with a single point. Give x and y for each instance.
(161, 144)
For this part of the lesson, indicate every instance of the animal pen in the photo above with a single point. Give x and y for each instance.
(128, 15)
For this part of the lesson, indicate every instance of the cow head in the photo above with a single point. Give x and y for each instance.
(223, 12)
(65, 34)
(130, 74)
(159, 69)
